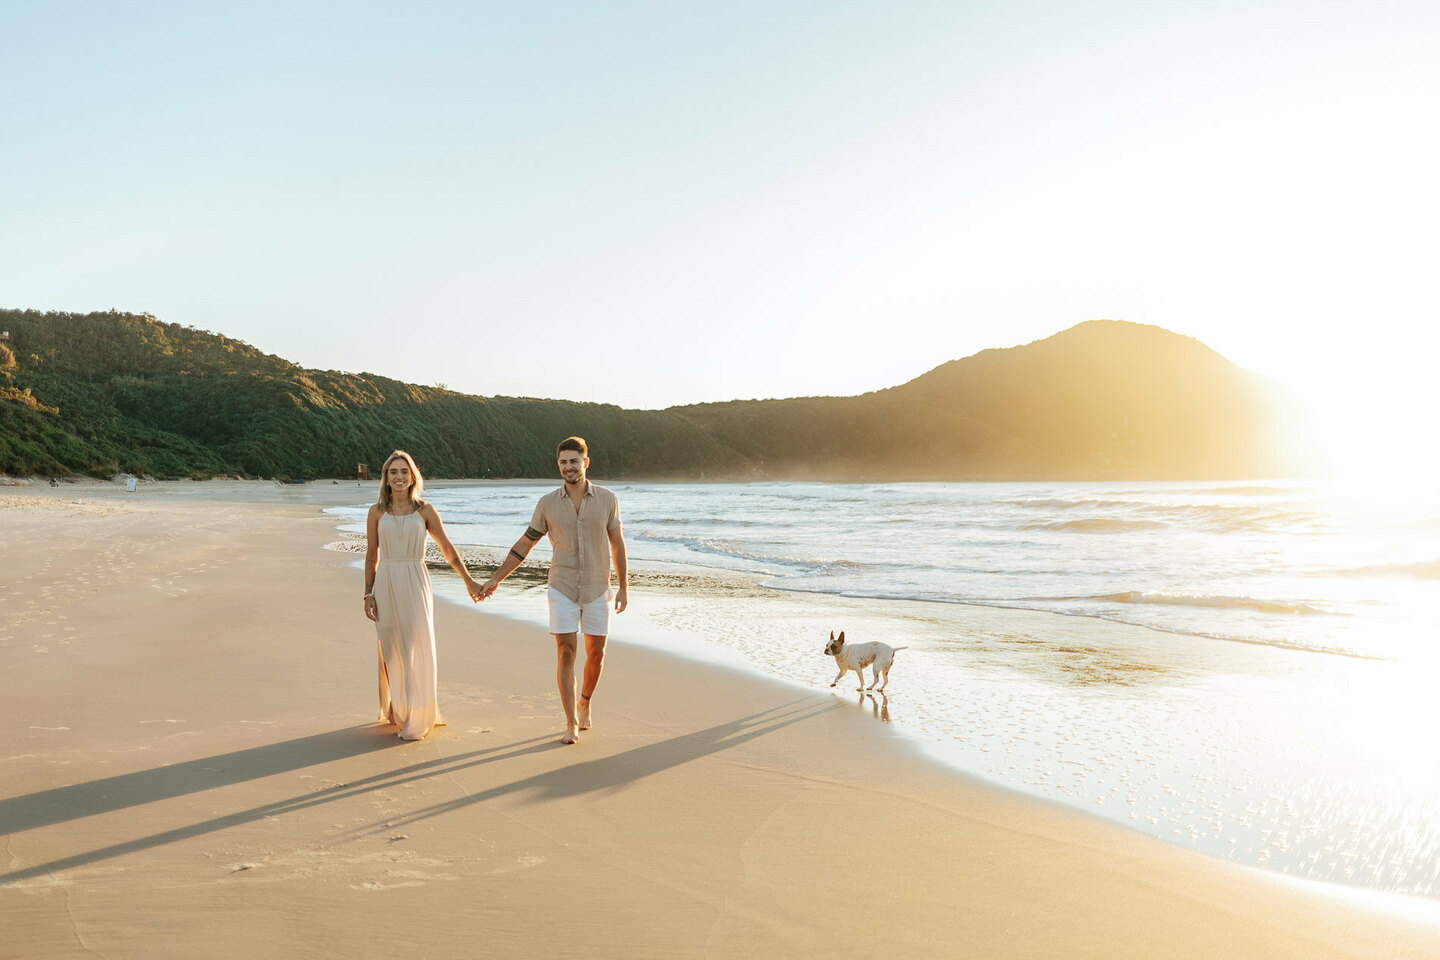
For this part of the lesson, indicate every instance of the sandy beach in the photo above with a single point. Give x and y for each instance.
(192, 769)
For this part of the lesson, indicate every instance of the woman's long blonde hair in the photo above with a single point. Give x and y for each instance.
(417, 482)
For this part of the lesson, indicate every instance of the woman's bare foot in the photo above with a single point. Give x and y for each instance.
(572, 734)
(584, 713)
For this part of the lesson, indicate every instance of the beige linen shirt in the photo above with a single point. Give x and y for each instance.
(580, 564)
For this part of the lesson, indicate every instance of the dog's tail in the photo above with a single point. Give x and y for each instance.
(898, 649)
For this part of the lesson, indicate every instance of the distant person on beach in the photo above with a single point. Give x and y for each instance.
(583, 523)
(398, 596)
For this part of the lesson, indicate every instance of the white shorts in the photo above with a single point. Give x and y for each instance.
(567, 616)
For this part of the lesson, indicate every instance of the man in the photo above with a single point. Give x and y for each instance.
(583, 523)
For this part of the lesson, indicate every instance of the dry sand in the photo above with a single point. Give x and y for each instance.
(190, 769)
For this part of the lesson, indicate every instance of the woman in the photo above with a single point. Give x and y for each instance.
(398, 597)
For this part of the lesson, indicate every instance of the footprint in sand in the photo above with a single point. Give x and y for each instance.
(377, 885)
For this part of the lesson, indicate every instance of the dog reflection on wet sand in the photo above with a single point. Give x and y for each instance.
(857, 656)
(879, 704)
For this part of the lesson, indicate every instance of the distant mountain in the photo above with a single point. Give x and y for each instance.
(107, 392)
(1104, 399)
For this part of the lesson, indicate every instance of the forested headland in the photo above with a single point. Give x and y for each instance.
(105, 393)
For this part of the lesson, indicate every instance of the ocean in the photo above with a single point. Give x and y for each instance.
(1246, 669)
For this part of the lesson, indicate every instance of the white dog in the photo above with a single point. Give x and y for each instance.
(858, 656)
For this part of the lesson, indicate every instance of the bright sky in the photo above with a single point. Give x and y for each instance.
(654, 203)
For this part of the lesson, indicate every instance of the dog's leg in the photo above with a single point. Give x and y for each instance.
(838, 677)
(887, 680)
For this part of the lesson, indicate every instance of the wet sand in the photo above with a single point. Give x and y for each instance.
(192, 769)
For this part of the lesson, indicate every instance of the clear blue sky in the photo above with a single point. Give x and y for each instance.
(651, 203)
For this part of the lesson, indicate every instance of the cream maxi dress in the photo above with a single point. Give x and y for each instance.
(406, 628)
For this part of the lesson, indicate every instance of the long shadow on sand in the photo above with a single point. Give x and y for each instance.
(49, 807)
(62, 804)
(611, 772)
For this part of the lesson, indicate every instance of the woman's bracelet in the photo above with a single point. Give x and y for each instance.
(368, 596)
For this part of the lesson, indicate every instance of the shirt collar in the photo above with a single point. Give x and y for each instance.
(589, 489)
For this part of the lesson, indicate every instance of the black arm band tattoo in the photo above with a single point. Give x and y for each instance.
(532, 534)
(517, 555)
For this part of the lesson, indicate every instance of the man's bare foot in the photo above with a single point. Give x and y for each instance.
(584, 713)
(572, 734)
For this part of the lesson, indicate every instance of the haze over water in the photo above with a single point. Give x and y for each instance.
(1238, 668)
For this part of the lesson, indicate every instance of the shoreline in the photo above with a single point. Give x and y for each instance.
(219, 782)
(34, 480)
(1104, 731)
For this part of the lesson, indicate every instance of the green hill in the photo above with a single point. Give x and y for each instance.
(112, 392)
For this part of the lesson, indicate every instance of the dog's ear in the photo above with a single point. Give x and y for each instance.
(832, 634)
(842, 636)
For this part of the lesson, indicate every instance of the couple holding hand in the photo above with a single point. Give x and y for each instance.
(582, 521)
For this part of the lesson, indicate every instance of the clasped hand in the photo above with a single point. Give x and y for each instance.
(479, 591)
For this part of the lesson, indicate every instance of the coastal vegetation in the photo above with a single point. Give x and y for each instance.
(102, 393)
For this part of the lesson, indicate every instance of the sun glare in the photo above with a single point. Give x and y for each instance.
(1373, 434)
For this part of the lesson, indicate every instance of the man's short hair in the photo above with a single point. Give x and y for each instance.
(573, 443)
